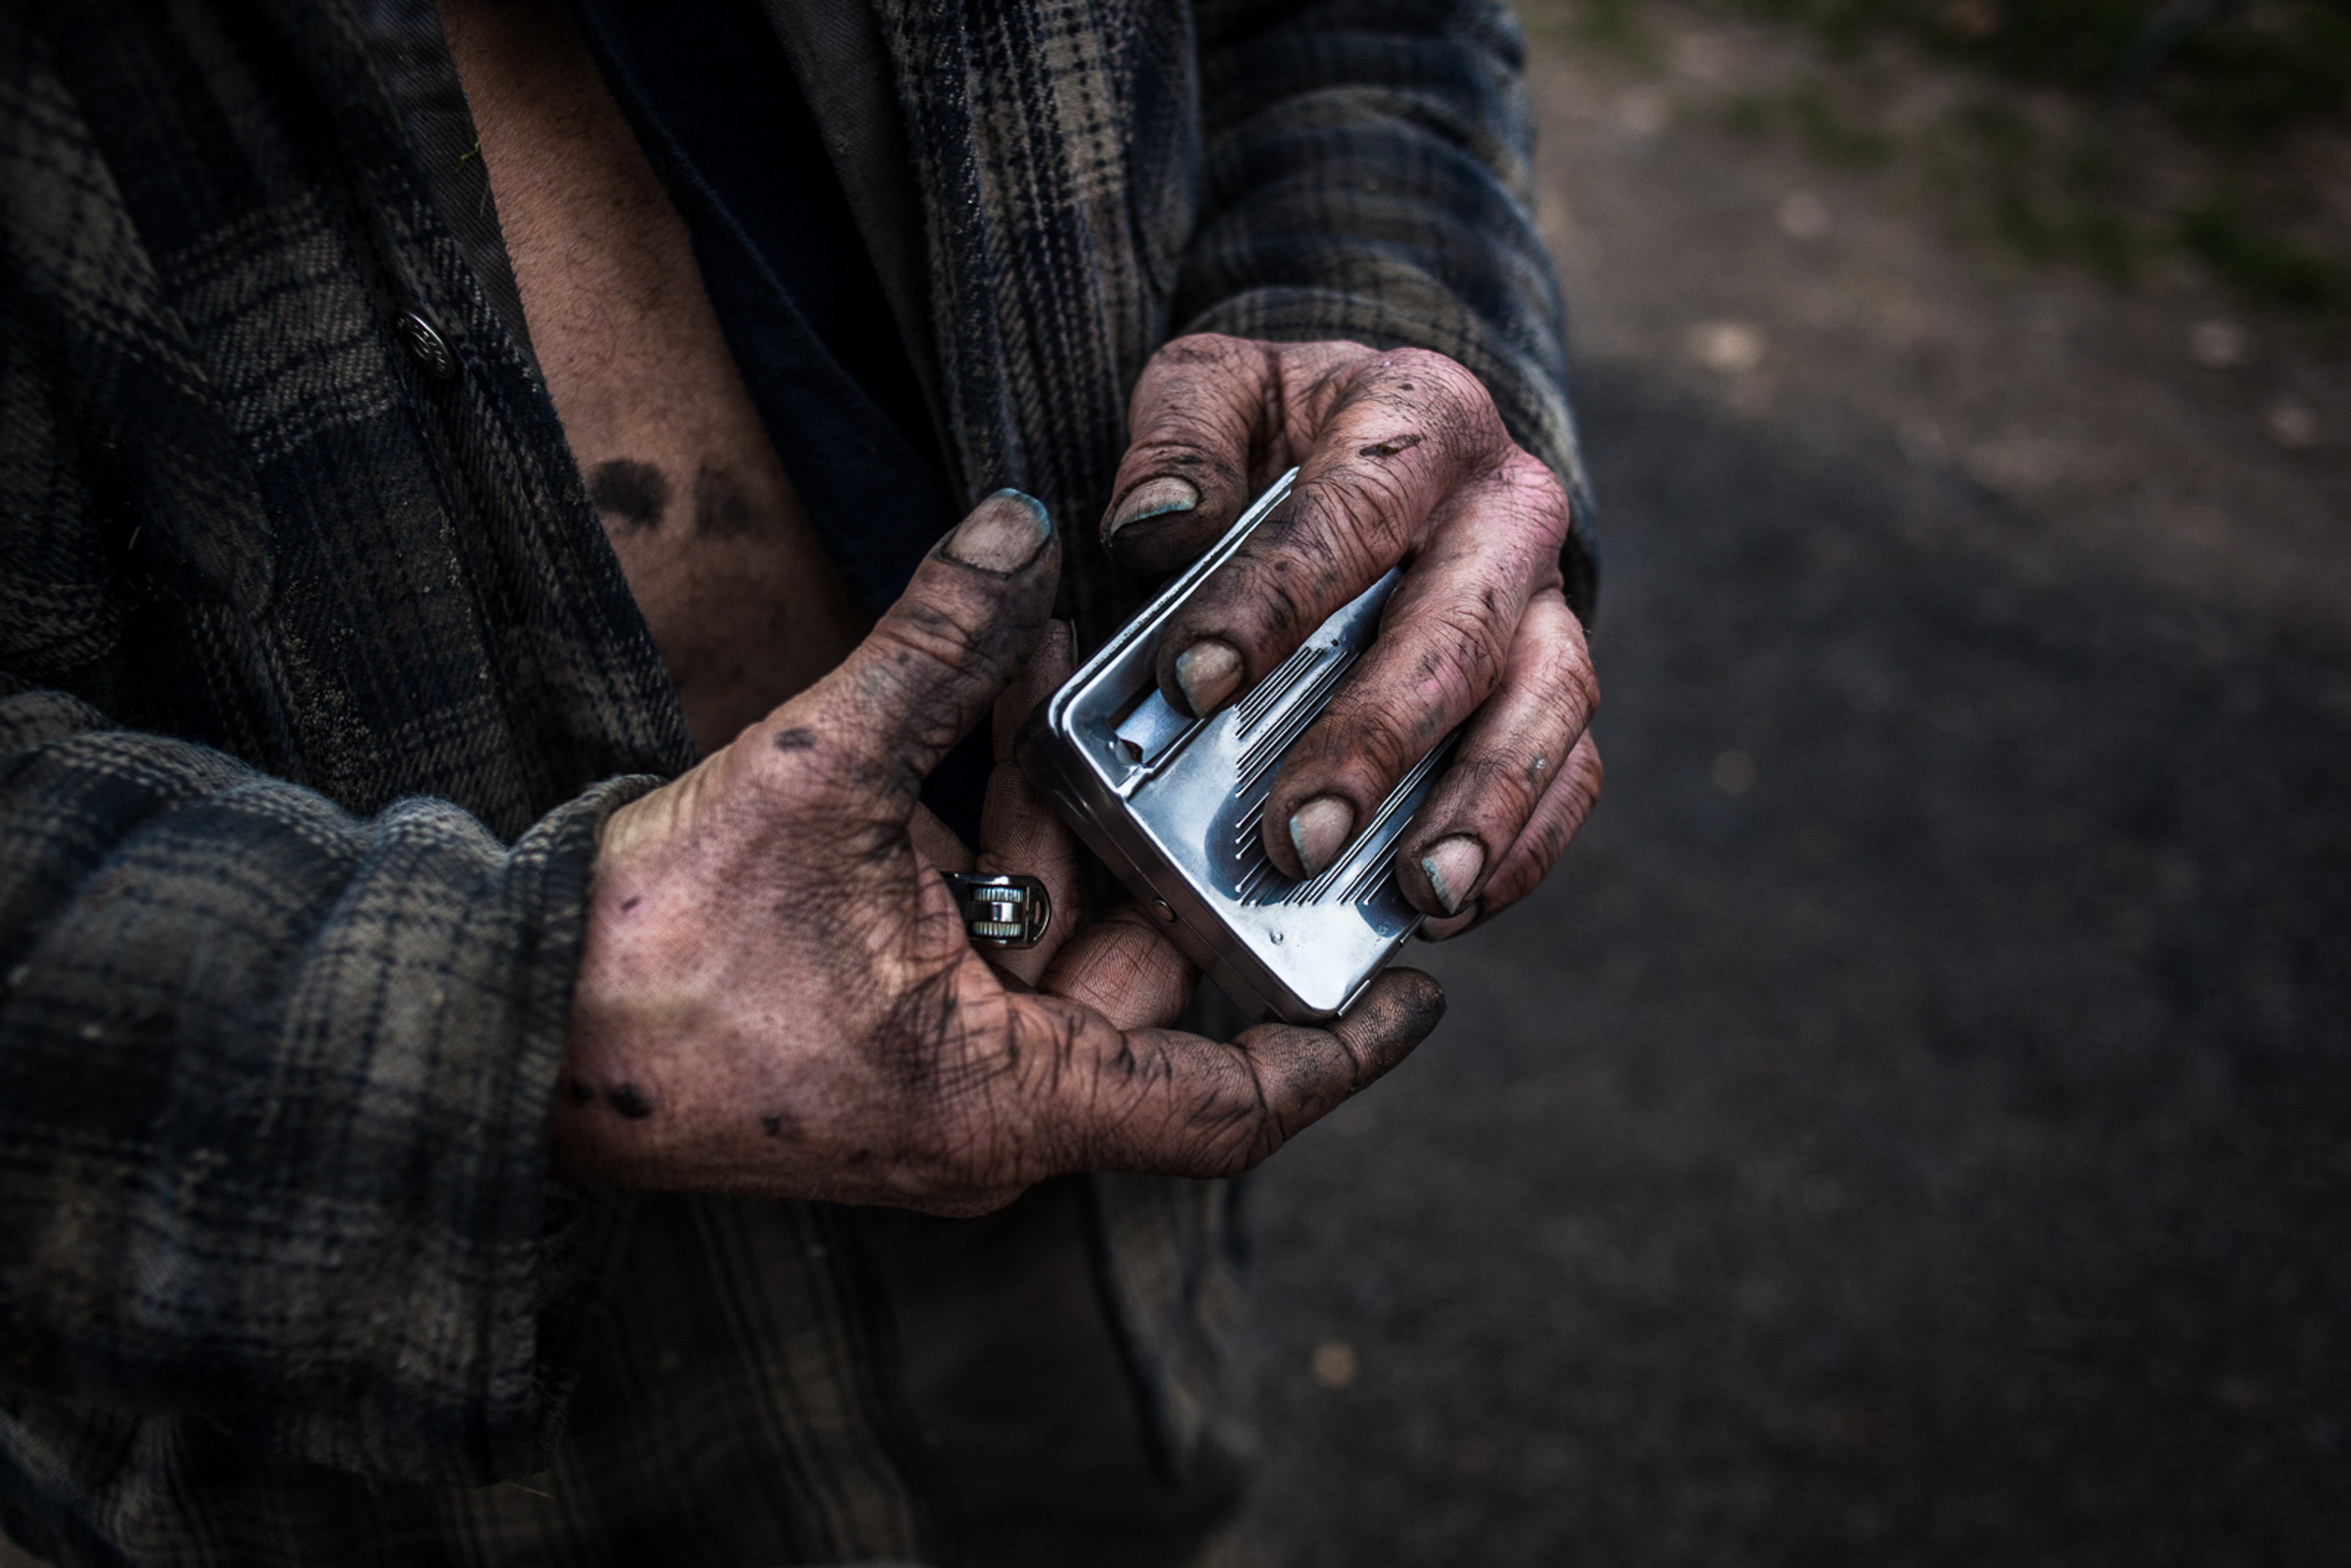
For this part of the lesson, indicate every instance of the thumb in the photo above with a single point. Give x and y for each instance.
(937, 658)
(1019, 834)
(1198, 414)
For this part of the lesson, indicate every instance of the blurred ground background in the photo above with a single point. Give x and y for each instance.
(1911, 1126)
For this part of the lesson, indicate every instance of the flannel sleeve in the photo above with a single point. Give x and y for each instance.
(1369, 176)
(274, 1083)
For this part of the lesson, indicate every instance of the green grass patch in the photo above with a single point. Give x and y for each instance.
(1811, 113)
(2082, 185)
(2262, 266)
(2240, 82)
(2045, 202)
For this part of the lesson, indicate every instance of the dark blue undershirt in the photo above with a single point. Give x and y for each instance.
(720, 115)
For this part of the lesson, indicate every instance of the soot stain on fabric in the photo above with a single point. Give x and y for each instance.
(629, 1100)
(630, 493)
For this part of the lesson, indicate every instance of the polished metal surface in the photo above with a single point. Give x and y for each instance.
(1002, 911)
(1174, 805)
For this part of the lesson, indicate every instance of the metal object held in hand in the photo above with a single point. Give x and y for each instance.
(1175, 805)
(1002, 911)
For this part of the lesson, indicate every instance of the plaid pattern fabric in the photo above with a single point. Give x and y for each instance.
(1354, 168)
(317, 678)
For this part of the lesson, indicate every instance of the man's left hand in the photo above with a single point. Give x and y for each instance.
(1402, 460)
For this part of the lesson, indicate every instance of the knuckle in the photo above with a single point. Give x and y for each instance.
(1183, 436)
(1567, 684)
(1271, 590)
(1463, 409)
(1588, 774)
(1369, 742)
(942, 633)
(1354, 517)
(1328, 381)
(1550, 662)
(1536, 494)
(1243, 1123)
(1582, 685)
(1491, 787)
(1467, 649)
(1204, 366)
(1230, 1133)
(1198, 348)
(1434, 377)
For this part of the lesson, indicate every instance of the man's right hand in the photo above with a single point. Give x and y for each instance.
(778, 996)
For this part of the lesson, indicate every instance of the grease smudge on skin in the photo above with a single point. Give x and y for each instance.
(629, 494)
(1390, 448)
(723, 509)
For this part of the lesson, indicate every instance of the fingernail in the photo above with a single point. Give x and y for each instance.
(1318, 831)
(1153, 498)
(1207, 671)
(1003, 534)
(1453, 865)
(1452, 926)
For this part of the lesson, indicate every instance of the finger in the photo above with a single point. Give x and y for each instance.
(1509, 758)
(1209, 433)
(931, 667)
(1055, 656)
(1402, 432)
(1557, 818)
(1124, 970)
(1164, 1102)
(1019, 834)
(936, 842)
(1446, 639)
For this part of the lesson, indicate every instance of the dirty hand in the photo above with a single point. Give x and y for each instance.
(1402, 460)
(776, 993)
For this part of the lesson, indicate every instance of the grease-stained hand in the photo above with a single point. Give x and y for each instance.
(776, 995)
(1403, 460)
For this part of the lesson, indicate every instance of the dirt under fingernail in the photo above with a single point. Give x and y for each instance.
(1153, 498)
(1002, 534)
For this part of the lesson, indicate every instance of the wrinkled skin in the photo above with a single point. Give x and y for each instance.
(777, 997)
(1403, 460)
(776, 993)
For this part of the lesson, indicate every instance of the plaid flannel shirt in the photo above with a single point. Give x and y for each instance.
(317, 678)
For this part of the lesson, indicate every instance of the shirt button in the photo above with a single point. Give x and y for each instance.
(427, 346)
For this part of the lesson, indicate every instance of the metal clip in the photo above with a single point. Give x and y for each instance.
(1002, 911)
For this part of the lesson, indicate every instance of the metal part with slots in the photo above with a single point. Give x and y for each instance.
(1174, 805)
(1002, 911)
